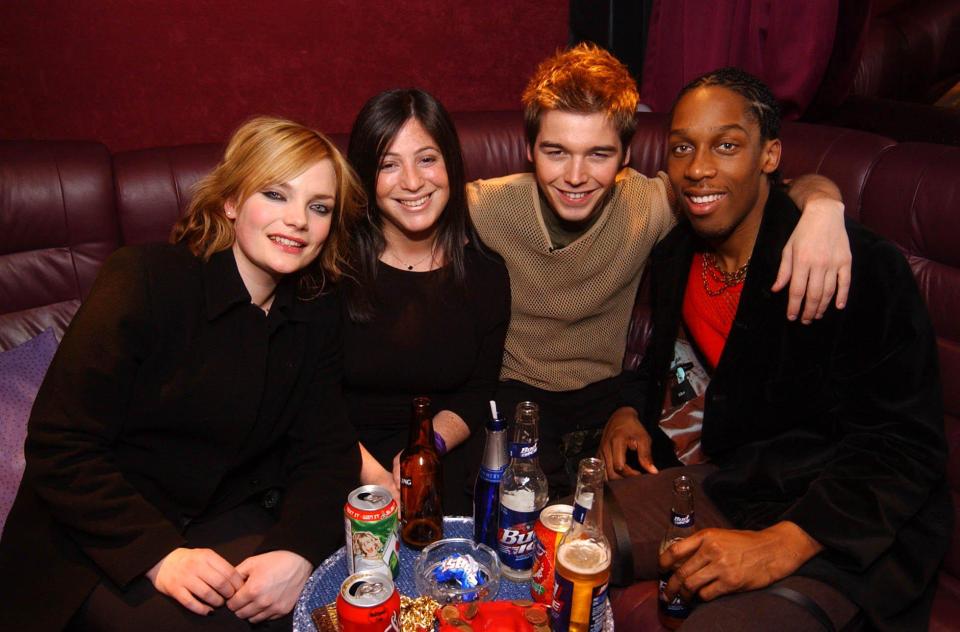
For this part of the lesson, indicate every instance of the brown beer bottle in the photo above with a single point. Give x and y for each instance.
(421, 516)
(673, 612)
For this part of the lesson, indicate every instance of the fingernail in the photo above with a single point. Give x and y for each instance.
(791, 316)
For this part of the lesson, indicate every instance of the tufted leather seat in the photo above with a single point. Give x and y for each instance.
(57, 225)
(909, 57)
(65, 206)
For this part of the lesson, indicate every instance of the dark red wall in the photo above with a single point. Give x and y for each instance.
(141, 73)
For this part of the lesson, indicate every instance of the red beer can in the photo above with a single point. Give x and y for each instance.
(368, 602)
(553, 523)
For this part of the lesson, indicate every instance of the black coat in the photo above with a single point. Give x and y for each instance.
(836, 426)
(172, 398)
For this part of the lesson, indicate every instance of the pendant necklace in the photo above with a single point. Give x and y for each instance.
(409, 266)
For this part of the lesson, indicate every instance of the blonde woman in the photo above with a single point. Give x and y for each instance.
(188, 452)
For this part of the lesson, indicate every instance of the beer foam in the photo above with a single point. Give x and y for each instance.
(583, 556)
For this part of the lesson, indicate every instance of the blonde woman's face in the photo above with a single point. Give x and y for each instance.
(281, 228)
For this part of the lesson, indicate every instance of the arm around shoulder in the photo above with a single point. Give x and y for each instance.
(816, 260)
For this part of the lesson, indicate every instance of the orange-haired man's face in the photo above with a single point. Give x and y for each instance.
(576, 158)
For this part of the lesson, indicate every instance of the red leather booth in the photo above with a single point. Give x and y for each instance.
(64, 206)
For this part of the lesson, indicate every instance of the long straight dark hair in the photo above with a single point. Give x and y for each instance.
(376, 126)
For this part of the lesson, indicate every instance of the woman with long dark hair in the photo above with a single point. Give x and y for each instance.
(427, 306)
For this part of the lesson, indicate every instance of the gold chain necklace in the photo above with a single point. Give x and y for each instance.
(712, 269)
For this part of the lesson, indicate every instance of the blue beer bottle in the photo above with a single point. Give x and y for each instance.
(486, 490)
(673, 612)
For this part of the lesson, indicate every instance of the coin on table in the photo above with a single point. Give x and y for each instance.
(450, 614)
(471, 611)
(523, 603)
(536, 616)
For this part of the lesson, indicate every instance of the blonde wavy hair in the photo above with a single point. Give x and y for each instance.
(584, 79)
(266, 151)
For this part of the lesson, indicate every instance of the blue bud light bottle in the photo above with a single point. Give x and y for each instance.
(523, 494)
(486, 491)
(673, 612)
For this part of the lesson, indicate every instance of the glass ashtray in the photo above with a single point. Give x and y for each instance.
(448, 592)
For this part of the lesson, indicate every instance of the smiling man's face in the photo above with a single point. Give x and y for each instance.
(576, 158)
(718, 163)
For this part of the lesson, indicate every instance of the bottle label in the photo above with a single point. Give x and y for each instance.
(597, 610)
(516, 540)
(486, 512)
(675, 608)
(682, 521)
(491, 475)
(562, 605)
(523, 450)
(579, 513)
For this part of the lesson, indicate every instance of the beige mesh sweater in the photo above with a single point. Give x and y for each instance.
(571, 306)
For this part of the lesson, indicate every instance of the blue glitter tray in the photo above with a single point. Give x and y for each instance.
(323, 586)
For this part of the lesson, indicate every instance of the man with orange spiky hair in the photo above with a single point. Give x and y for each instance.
(576, 235)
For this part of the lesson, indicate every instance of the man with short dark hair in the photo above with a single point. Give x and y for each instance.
(820, 449)
(576, 235)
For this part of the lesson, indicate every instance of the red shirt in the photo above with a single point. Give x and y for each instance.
(709, 318)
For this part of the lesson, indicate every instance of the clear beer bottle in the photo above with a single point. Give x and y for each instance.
(523, 494)
(673, 612)
(421, 515)
(583, 558)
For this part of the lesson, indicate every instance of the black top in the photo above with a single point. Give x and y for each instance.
(173, 398)
(836, 426)
(431, 337)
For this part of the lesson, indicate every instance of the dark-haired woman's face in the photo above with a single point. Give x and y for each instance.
(412, 184)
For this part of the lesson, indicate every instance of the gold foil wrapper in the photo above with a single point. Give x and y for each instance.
(416, 615)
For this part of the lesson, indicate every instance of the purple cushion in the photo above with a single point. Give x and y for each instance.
(21, 372)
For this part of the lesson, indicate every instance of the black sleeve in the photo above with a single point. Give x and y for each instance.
(78, 413)
(892, 451)
(321, 462)
(491, 299)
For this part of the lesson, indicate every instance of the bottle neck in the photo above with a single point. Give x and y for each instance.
(523, 452)
(681, 509)
(588, 510)
(526, 434)
(495, 450)
(421, 425)
(588, 501)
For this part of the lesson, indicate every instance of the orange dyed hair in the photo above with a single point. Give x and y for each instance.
(584, 79)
